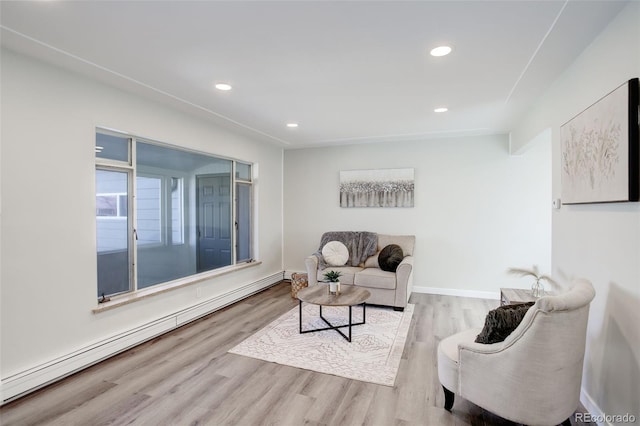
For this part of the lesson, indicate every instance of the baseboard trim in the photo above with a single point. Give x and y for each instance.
(495, 295)
(287, 274)
(593, 409)
(34, 378)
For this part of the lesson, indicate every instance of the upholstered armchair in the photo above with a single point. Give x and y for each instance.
(534, 375)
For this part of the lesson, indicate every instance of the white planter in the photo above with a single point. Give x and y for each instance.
(334, 287)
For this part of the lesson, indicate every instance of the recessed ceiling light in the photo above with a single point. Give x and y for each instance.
(292, 125)
(441, 109)
(441, 51)
(223, 86)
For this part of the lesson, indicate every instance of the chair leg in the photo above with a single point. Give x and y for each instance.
(567, 422)
(448, 399)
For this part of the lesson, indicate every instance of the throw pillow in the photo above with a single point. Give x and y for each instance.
(390, 257)
(335, 253)
(500, 322)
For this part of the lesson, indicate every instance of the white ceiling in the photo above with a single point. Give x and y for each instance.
(347, 72)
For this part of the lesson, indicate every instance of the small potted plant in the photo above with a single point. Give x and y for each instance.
(334, 281)
(537, 288)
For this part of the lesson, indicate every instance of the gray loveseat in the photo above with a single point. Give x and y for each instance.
(386, 288)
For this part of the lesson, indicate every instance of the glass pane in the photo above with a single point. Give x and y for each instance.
(112, 147)
(193, 213)
(213, 215)
(112, 230)
(243, 171)
(243, 228)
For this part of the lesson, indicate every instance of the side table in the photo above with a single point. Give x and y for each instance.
(509, 296)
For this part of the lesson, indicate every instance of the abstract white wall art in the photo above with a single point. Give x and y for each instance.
(376, 188)
(601, 150)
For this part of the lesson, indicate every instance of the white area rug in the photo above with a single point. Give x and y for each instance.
(372, 356)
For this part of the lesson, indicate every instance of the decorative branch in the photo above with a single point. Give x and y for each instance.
(535, 273)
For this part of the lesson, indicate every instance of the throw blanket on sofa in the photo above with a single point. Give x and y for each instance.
(360, 245)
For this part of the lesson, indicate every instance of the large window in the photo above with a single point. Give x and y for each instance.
(164, 213)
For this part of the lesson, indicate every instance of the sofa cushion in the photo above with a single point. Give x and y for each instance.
(390, 257)
(335, 253)
(449, 357)
(376, 278)
(347, 273)
(372, 261)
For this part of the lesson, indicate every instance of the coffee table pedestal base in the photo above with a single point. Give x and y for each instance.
(336, 327)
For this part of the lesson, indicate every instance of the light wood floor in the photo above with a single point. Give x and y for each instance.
(186, 377)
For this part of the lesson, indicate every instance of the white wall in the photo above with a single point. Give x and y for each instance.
(48, 227)
(478, 210)
(600, 242)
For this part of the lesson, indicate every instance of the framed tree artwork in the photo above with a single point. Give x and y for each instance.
(376, 188)
(601, 150)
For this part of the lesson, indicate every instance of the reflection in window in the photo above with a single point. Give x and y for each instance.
(177, 229)
(149, 210)
(111, 205)
(114, 261)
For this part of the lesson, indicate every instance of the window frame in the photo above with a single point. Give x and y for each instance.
(131, 251)
(235, 183)
(131, 168)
